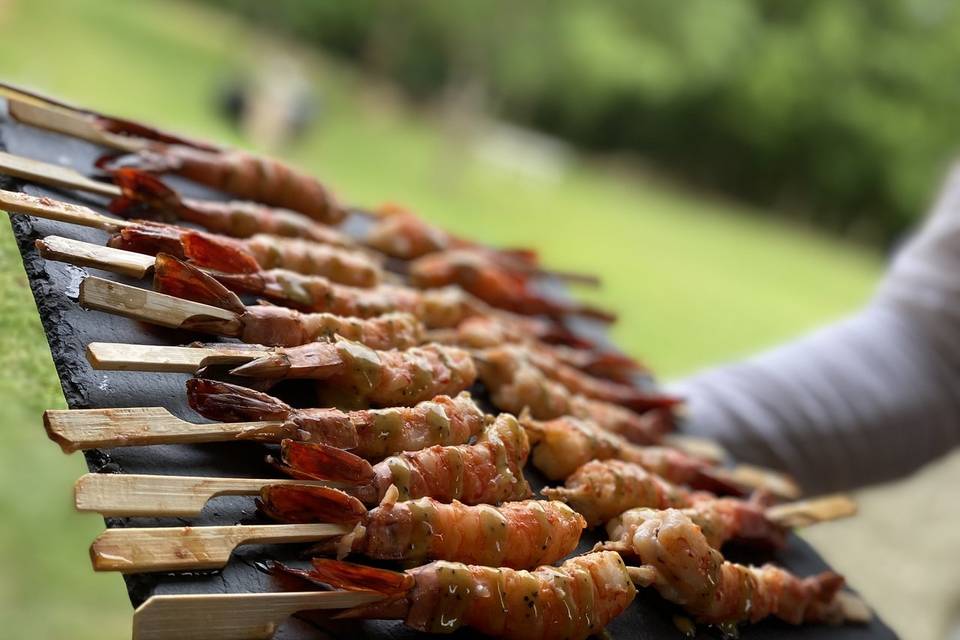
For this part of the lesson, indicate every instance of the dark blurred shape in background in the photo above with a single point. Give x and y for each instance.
(844, 111)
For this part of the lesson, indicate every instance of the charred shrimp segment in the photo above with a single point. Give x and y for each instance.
(480, 273)
(250, 255)
(518, 535)
(487, 472)
(575, 600)
(371, 434)
(146, 196)
(278, 326)
(563, 445)
(720, 520)
(603, 490)
(694, 575)
(244, 176)
(383, 378)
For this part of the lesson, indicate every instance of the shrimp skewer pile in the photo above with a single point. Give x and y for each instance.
(518, 535)
(575, 600)
(685, 569)
(372, 434)
(278, 326)
(143, 192)
(487, 472)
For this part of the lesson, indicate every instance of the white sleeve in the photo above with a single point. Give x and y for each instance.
(867, 399)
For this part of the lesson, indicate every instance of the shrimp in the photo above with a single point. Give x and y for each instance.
(720, 520)
(277, 326)
(487, 472)
(563, 445)
(688, 571)
(250, 255)
(240, 174)
(519, 535)
(352, 371)
(479, 273)
(515, 384)
(237, 219)
(371, 434)
(574, 601)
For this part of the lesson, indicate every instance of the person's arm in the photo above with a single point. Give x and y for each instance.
(867, 399)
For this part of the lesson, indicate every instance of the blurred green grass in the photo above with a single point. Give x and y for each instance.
(696, 280)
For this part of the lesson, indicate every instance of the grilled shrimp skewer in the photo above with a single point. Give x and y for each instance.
(352, 371)
(487, 472)
(145, 193)
(372, 434)
(278, 326)
(238, 173)
(564, 445)
(515, 385)
(481, 274)
(250, 255)
(575, 600)
(518, 535)
(688, 571)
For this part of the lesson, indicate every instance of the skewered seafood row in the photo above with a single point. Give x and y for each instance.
(266, 324)
(575, 600)
(517, 535)
(481, 274)
(489, 471)
(251, 255)
(685, 569)
(515, 384)
(146, 196)
(372, 434)
(564, 445)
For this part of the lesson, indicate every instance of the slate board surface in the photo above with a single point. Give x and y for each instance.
(70, 328)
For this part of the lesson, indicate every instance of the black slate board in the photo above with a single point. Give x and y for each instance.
(69, 329)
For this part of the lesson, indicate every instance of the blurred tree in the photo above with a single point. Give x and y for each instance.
(843, 109)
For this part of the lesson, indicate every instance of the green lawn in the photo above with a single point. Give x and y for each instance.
(695, 279)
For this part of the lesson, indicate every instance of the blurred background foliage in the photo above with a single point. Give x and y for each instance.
(841, 112)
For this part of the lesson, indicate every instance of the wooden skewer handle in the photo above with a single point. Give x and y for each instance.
(233, 616)
(139, 550)
(71, 123)
(15, 202)
(807, 512)
(53, 175)
(779, 484)
(119, 495)
(146, 305)
(85, 254)
(115, 356)
(80, 429)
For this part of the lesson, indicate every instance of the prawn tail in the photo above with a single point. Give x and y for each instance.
(144, 195)
(317, 461)
(227, 402)
(177, 278)
(307, 503)
(716, 480)
(215, 252)
(149, 239)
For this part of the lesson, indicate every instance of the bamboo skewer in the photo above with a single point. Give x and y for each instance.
(147, 549)
(86, 254)
(115, 356)
(146, 305)
(53, 175)
(71, 123)
(15, 202)
(80, 429)
(804, 513)
(128, 495)
(777, 483)
(233, 616)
